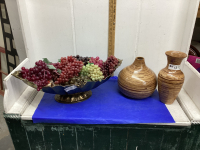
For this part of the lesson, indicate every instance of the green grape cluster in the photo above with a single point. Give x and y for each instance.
(78, 80)
(92, 71)
(84, 71)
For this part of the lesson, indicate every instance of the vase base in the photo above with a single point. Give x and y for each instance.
(73, 98)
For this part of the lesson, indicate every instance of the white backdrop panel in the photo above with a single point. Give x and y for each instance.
(51, 28)
(148, 29)
(127, 26)
(91, 27)
(143, 28)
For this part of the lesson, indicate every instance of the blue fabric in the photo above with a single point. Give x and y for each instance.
(106, 106)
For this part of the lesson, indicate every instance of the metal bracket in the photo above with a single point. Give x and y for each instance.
(12, 116)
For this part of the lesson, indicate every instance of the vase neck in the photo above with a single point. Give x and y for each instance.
(174, 60)
(138, 63)
(175, 57)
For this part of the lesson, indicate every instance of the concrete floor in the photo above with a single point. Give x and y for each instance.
(5, 139)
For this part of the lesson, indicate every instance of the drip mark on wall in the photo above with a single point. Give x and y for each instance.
(93, 138)
(76, 139)
(43, 138)
(60, 140)
(28, 140)
(110, 139)
(127, 140)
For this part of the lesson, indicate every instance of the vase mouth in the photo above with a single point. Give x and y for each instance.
(177, 54)
(139, 62)
(139, 58)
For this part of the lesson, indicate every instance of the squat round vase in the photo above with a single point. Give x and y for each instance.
(171, 78)
(137, 80)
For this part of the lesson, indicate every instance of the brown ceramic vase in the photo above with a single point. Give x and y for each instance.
(137, 80)
(171, 78)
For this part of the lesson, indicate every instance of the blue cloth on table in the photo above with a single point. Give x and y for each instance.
(106, 106)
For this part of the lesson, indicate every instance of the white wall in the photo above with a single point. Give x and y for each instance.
(148, 28)
(59, 28)
(144, 28)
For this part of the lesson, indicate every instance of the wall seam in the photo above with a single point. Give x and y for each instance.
(73, 26)
(138, 29)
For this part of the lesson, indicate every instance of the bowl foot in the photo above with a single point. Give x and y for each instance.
(73, 98)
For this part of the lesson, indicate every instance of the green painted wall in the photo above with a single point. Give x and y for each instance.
(27, 135)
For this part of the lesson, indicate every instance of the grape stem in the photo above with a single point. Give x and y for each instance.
(44, 74)
(56, 72)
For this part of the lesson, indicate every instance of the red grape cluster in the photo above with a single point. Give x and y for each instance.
(40, 74)
(55, 64)
(53, 72)
(70, 67)
(96, 61)
(109, 66)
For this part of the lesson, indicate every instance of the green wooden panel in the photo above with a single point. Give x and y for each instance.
(171, 139)
(84, 138)
(186, 140)
(152, 140)
(119, 139)
(102, 138)
(68, 138)
(35, 136)
(18, 134)
(196, 141)
(52, 138)
(136, 138)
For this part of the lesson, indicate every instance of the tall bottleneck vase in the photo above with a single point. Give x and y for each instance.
(171, 78)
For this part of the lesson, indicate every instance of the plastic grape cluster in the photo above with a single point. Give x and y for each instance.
(70, 67)
(96, 61)
(55, 64)
(78, 80)
(84, 71)
(83, 59)
(73, 70)
(39, 74)
(93, 71)
(54, 73)
(109, 66)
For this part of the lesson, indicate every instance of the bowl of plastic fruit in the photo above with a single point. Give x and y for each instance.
(71, 78)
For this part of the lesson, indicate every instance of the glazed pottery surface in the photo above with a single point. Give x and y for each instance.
(171, 78)
(137, 80)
